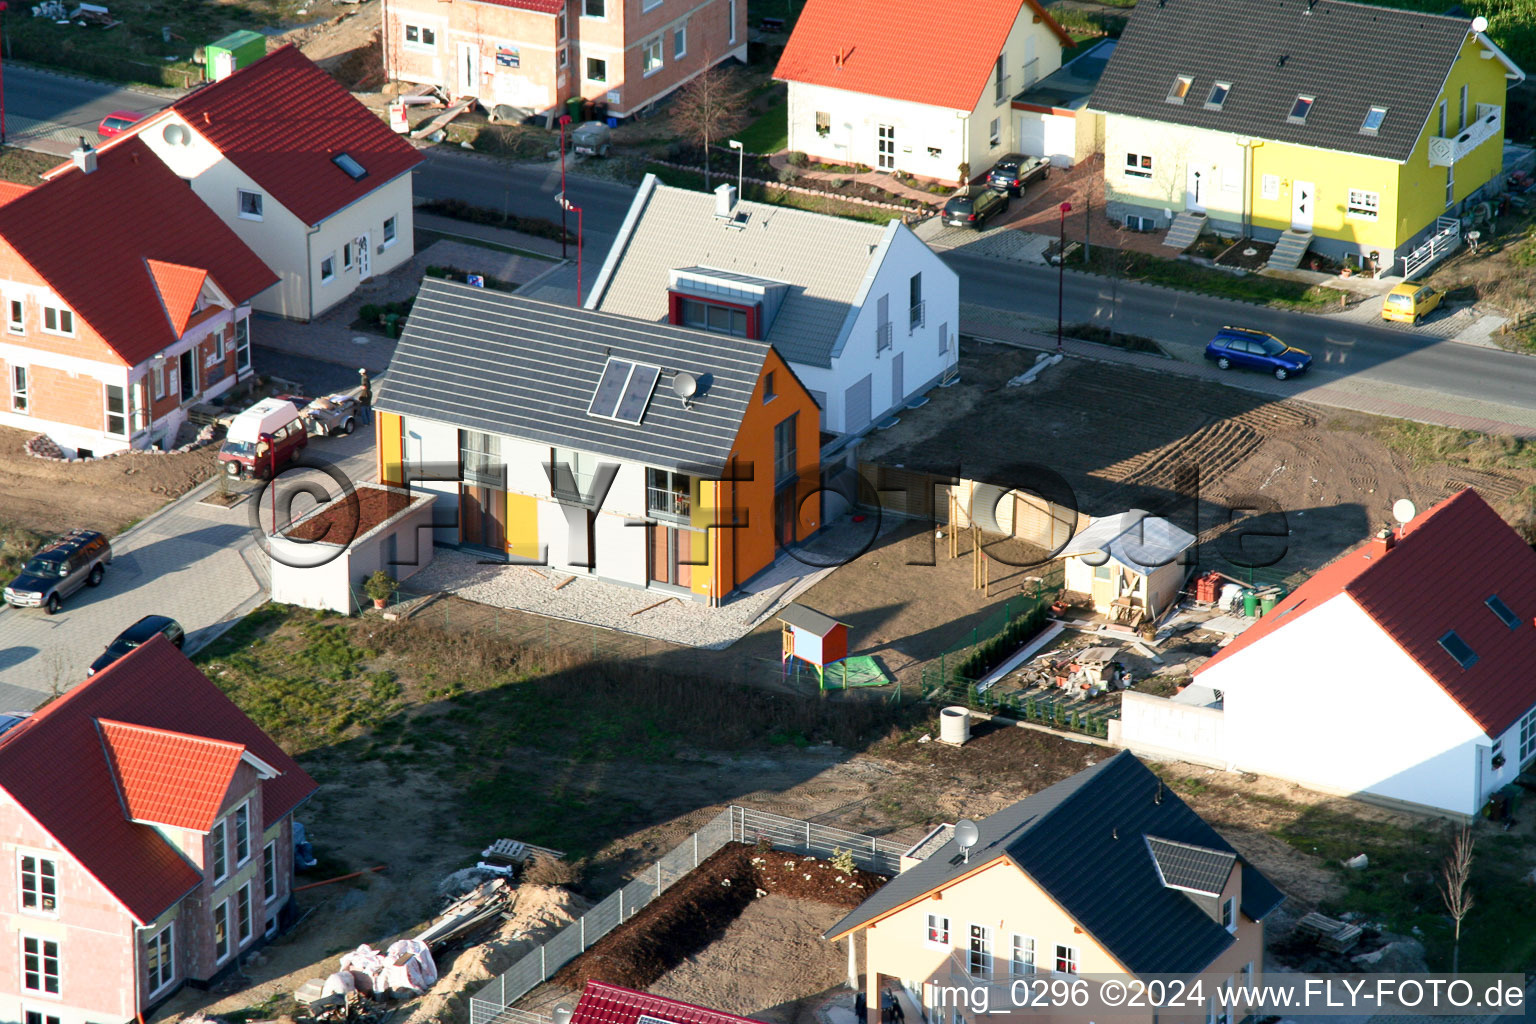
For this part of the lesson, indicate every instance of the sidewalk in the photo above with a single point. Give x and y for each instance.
(467, 230)
(985, 324)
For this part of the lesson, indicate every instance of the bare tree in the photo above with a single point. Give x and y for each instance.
(1454, 875)
(709, 108)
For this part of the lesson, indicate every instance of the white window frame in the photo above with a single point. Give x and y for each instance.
(22, 856)
(1179, 90)
(563, 58)
(16, 324)
(1072, 959)
(218, 344)
(1363, 205)
(995, 132)
(1306, 110)
(40, 1017)
(242, 334)
(1365, 125)
(106, 411)
(653, 54)
(242, 814)
(586, 69)
(944, 338)
(730, 12)
(649, 5)
(346, 255)
(1138, 165)
(680, 41)
(1464, 108)
(21, 388)
(1269, 186)
(981, 964)
(218, 851)
(391, 232)
(157, 381)
(1450, 185)
(1527, 737)
(419, 44)
(1211, 102)
(61, 315)
(42, 967)
(1022, 967)
(165, 970)
(269, 868)
(603, 4)
(259, 205)
(221, 912)
(942, 920)
(561, 27)
(328, 269)
(1229, 914)
(245, 930)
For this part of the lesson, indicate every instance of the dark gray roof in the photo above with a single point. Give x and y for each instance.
(486, 360)
(1194, 868)
(801, 617)
(1349, 57)
(1083, 841)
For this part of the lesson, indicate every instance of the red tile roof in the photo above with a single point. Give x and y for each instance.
(282, 119)
(1435, 579)
(904, 49)
(10, 190)
(169, 778)
(602, 1003)
(55, 766)
(179, 288)
(89, 236)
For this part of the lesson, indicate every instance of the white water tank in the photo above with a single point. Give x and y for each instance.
(955, 725)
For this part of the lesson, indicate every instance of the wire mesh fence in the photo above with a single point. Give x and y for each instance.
(492, 1004)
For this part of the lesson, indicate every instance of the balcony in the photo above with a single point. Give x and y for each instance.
(917, 316)
(882, 337)
(664, 503)
(1445, 152)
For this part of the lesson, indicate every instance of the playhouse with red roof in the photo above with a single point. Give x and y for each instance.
(126, 301)
(150, 826)
(1400, 673)
(887, 84)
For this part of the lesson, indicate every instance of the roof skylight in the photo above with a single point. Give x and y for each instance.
(1373, 119)
(1300, 109)
(1457, 648)
(1180, 89)
(1218, 95)
(1498, 607)
(354, 170)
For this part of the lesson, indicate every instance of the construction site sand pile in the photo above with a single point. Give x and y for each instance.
(537, 913)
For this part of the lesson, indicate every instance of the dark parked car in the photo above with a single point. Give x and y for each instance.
(79, 559)
(1256, 350)
(1013, 172)
(141, 632)
(975, 209)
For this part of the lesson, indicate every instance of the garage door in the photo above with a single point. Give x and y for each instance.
(856, 411)
(1031, 134)
(1060, 140)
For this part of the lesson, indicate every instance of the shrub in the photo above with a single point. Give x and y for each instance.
(797, 158)
(843, 861)
(371, 312)
(379, 586)
(837, 182)
(787, 175)
(438, 272)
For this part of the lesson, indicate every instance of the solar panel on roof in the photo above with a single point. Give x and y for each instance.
(646, 1018)
(605, 400)
(637, 395)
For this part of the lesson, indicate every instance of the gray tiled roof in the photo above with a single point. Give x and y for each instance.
(1083, 842)
(487, 360)
(1195, 868)
(1349, 57)
(823, 259)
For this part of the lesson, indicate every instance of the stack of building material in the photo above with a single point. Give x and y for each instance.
(487, 904)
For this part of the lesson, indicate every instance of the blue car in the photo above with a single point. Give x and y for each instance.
(1256, 350)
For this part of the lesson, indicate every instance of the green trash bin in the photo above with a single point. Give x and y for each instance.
(392, 325)
(573, 108)
(1267, 602)
(1250, 603)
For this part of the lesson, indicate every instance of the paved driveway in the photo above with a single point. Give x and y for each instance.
(198, 563)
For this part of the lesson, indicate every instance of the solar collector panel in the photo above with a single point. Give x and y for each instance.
(637, 395)
(610, 388)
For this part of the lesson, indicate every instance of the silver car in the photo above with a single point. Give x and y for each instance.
(76, 560)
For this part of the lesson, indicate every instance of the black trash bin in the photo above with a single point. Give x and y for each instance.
(586, 110)
(599, 111)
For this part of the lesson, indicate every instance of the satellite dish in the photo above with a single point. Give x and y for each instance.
(1404, 510)
(966, 835)
(684, 385)
(562, 1014)
(176, 135)
(1479, 24)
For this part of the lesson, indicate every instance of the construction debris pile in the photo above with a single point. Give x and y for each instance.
(1085, 672)
(366, 979)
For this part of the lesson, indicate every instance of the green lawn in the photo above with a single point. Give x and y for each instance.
(778, 197)
(1181, 274)
(770, 133)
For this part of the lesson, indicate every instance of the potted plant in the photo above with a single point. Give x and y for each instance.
(380, 586)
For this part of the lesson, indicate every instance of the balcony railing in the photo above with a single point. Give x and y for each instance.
(1444, 152)
(917, 316)
(1001, 88)
(1031, 72)
(673, 504)
(883, 337)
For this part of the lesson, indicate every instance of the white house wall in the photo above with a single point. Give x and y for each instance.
(1174, 149)
(1331, 702)
(364, 217)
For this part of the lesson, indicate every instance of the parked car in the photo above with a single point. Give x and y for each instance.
(117, 122)
(1409, 302)
(78, 559)
(263, 439)
(1013, 172)
(333, 414)
(141, 632)
(1256, 350)
(592, 138)
(974, 209)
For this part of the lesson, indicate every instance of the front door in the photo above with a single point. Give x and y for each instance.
(364, 259)
(483, 518)
(188, 375)
(671, 556)
(784, 515)
(1303, 203)
(1103, 586)
(1194, 190)
(886, 146)
(469, 70)
(898, 385)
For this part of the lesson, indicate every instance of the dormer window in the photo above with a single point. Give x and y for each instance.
(1218, 95)
(1498, 607)
(1300, 109)
(1373, 118)
(1180, 89)
(1458, 648)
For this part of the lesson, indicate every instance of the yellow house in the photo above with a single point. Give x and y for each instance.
(1106, 874)
(1345, 128)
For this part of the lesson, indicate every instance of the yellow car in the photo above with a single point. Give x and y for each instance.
(1408, 302)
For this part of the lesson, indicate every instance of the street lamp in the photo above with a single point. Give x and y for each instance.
(566, 204)
(1061, 273)
(741, 156)
(3, 6)
(565, 119)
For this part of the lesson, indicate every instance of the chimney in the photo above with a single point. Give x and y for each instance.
(725, 202)
(84, 157)
(1382, 542)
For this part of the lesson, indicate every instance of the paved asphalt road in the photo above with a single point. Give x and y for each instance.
(1184, 322)
(49, 112)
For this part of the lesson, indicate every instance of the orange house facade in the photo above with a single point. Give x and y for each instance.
(108, 353)
(531, 56)
(651, 456)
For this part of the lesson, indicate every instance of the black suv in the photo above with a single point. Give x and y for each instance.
(975, 209)
(76, 560)
(1013, 172)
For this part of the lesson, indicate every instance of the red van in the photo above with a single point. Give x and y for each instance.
(263, 439)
